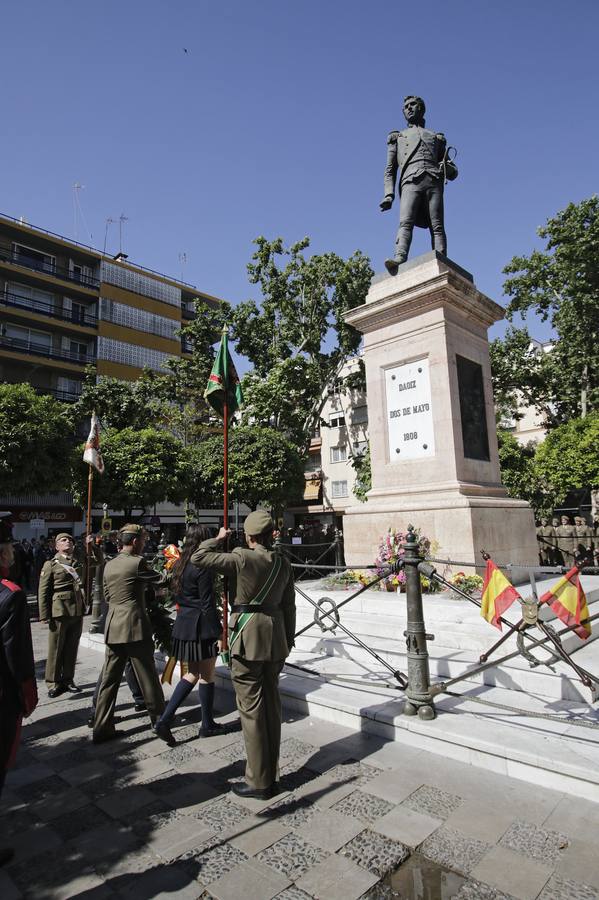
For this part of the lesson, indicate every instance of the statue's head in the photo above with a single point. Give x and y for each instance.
(414, 110)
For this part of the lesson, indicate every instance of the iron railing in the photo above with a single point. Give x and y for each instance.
(19, 345)
(39, 265)
(8, 298)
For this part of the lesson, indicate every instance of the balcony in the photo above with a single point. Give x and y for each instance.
(20, 345)
(65, 396)
(77, 317)
(18, 258)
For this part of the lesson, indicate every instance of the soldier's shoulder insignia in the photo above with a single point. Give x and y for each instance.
(392, 137)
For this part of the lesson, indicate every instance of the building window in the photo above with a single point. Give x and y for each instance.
(81, 273)
(33, 259)
(29, 297)
(26, 338)
(339, 454)
(336, 420)
(338, 489)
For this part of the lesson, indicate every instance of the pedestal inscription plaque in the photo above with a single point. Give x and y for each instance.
(409, 411)
(472, 409)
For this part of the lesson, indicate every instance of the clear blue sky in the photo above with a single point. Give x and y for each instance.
(275, 120)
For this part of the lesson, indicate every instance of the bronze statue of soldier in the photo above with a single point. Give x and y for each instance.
(422, 156)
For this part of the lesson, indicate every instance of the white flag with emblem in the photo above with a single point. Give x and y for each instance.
(92, 455)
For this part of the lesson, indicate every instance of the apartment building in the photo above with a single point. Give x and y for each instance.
(330, 476)
(64, 306)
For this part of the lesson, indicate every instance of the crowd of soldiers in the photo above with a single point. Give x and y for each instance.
(566, 543)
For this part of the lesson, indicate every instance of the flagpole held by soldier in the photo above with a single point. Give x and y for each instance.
(262, 635)
(93, 457)
(223, 393)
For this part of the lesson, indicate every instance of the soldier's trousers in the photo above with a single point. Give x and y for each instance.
(256, 686)
(141, 654)
(63, 643)
(132, 684)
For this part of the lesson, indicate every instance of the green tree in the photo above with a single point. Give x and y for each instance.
(561, 285)
(36, 440)
(362, 467)
(296, 338)
(569, 457)
(264, 467)
(142, 467)
(519, 472)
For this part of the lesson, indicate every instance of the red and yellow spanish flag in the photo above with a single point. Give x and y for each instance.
(498, 595)
(567, 600)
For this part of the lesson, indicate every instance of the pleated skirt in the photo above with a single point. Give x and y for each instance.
(194, 651)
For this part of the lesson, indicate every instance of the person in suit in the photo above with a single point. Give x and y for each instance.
(421, 155)
(128, 634)
(61, 606)
(196, 634)
(262, 628)
(18, 690)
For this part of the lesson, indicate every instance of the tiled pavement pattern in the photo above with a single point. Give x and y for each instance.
(134, 819)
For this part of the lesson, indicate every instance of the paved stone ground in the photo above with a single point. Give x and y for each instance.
(135, 819)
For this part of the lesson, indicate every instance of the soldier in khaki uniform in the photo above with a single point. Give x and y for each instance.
(584, 541)
(566, 541)
(546, 539)
(262, 629)
(128, 633)
(60, 599)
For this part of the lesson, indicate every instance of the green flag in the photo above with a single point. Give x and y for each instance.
(224, 381)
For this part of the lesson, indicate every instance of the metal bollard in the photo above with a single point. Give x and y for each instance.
(419, 698)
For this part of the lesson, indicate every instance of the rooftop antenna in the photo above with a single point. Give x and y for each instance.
(122, 219)
(109, 221)
(182, 263)
(78, 212)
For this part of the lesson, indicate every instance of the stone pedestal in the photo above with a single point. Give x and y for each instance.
(433, 439)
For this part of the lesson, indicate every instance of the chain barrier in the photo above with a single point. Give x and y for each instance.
(419, 690)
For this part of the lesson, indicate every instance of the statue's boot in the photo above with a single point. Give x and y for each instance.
(392, 265)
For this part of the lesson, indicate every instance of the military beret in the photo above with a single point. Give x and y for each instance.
(62, 535)
(131, 529)
(257, 522)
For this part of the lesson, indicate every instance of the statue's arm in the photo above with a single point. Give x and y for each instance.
(390, 172)
(450, 170)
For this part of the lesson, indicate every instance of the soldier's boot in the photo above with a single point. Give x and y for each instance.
(393, 264)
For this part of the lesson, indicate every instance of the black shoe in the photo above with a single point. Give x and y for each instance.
(72, 688)
(211, 730)
(140, 707)
(91, 720)
(244, 790)
(101, 737)
(6, 854)
(57, 691)
(164, 733)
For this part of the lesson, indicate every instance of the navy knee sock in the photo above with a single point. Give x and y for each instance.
(177, 698)
(206, 692)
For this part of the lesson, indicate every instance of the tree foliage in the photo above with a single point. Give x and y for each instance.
(264, 468)
(569, 457)
(519, 472)
(296, 338)
(36, 440)
(142, 467)
(561, 285)
(362, 467)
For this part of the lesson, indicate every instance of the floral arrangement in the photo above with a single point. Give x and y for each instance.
(469, 584)
(343, 581)
(391, 551)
